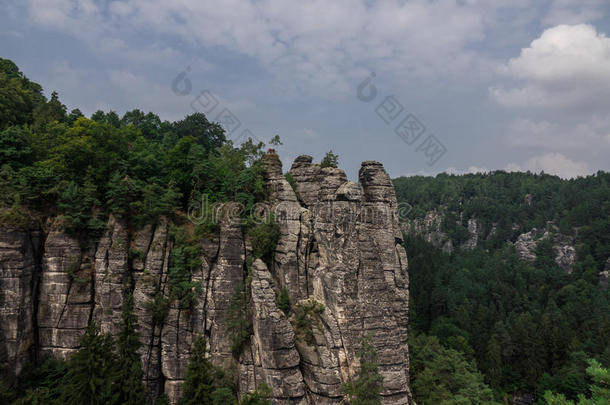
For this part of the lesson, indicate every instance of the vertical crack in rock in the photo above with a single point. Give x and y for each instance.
(288, 212)
(225, 274)
(65, 296)
(18, 253)
(274, 341)
(147, 275)
(179, 333)
(111, 274)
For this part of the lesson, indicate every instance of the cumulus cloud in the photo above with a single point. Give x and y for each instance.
(552, 163)
(567, 66)
(563, 78)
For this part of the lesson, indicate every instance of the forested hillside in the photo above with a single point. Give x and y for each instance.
(529, 325)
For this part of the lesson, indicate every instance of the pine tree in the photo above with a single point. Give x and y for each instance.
(494, 361)
(238, 324)
(261, 396)
(366, 389)
(131, 388)
(92, 371)
(600, 388)
(330, 160)
(199, 378)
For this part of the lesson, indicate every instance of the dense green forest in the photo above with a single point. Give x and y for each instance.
(135, 166)
(529, 328)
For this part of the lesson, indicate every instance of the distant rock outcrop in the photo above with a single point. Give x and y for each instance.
(564, 252)
(429, 229)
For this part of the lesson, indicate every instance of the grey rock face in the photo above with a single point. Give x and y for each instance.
(340, 247)
(564, 251)
(349, 258)
(18, 272)
(226, 273)
(474, 230)
(429, 229)
(111, 276)
(65, 300)
(526, 245)
(148, 270)
(308, 179)
(275, 358)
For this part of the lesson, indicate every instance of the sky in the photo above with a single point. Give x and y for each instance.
(424, 86)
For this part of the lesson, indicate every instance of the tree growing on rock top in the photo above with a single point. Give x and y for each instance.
(330, 160)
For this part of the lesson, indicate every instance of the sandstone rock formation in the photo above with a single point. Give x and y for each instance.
(340, 249)
(19, 269)
(564, 251)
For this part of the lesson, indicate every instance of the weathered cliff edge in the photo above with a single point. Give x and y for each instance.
(340, 245)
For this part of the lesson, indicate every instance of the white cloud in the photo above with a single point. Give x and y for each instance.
(564, 79)
(469, 170)
(552, 163)
(591, 134)
(567, 66)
